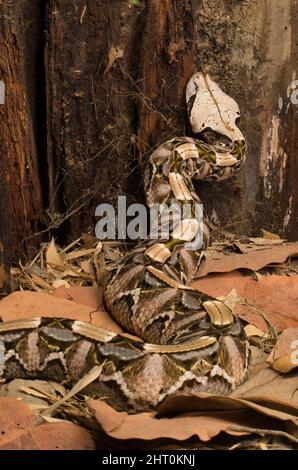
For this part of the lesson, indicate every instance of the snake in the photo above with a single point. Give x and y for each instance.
(177, 340)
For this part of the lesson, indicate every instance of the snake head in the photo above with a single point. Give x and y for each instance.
(209, 108)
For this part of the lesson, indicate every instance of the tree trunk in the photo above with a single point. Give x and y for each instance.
(20, 181)
(18, 146)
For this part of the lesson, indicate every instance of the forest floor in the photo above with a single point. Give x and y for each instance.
(258, 279)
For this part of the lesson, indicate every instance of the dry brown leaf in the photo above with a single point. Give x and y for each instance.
(59, 283)
(32, 392)
(259, 276)
(78, 254)
(145, 426)
(252, 330)
(89, 240)
(271, 389)
(284, 356)
(86, 266)
(71, 245)
(18, 431)
(91, 296)
(174, 48)
(39, 281)
(270, 235)
(52, 256)
(115, 52)
(253, 259)
(96, 254)
(265, 241)
(232, 299)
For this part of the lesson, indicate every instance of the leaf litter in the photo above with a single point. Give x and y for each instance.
(256, 277)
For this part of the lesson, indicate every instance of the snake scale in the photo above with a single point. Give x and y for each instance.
(191, 342)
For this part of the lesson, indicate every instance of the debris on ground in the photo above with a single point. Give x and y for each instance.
(256, 277)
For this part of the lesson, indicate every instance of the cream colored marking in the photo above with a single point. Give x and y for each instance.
(51, 357)
(212, 107)
(218, 371)
(179, 188)
(225, 159)
(186, 230)
(200, 343)
(24, 324)
(119, 379)
(158, 252)
(93, 332)
(2, 358)
(219, 313)
(187, 151)
(169, 281)
(187, 376)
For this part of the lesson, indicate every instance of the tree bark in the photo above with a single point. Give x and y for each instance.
(91, 109)
(20, 183)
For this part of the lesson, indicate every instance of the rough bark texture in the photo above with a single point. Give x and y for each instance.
(167, 62)
(250, 48)
(115, 76)
(18, 149)
(21, 194)
(91, 104)
(5, 237)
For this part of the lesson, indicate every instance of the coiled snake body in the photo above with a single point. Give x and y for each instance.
(192, 342)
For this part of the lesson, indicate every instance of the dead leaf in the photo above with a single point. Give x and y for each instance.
(86, 266)
(253, 259)
(18, 431)
(71, 245)
(145, 426)
(270, 235)
(231, 300)
(59, 283)
(52, 256)
(265, 241)
(115, 52)
(201, 415)
(259, 276)
(284, 356)
(32, 392)
(174, 48)
(275, 391)
(252, 330)
(90, 296)
(78, 254)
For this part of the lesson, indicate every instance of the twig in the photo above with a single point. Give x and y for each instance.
(263, 432)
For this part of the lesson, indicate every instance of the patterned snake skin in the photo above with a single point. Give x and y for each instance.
(192, 342)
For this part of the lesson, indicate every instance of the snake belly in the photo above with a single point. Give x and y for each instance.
(191, 342)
